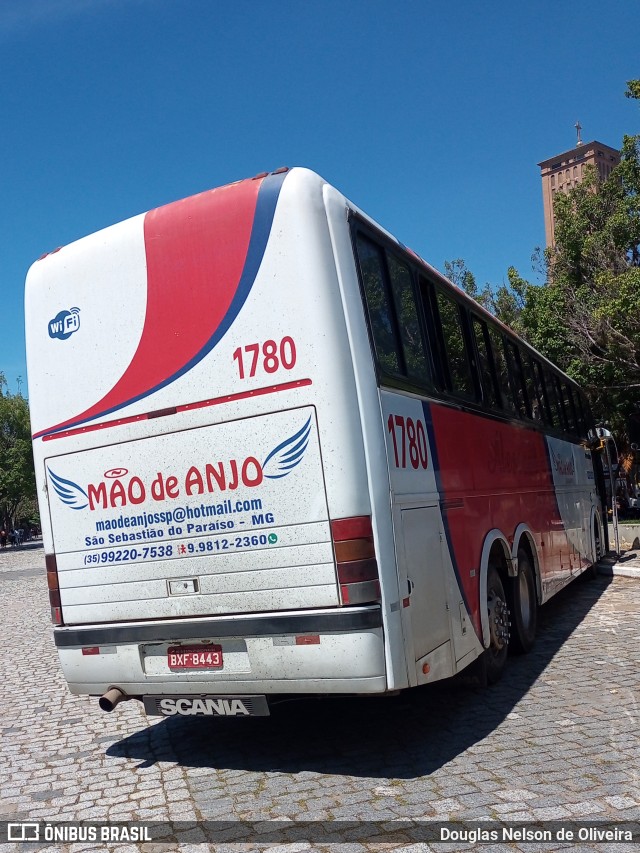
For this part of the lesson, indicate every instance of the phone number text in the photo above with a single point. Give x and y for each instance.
(124, 555)
(159, 552)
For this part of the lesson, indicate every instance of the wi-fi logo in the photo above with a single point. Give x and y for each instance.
(64, 324)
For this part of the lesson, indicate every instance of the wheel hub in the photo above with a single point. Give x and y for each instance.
(498, 622)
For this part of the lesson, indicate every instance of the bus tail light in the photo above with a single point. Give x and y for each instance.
(54, 588)
(356, 560)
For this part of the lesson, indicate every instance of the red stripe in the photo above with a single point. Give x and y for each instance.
(508, 481)
(214, 401)
(195, 251)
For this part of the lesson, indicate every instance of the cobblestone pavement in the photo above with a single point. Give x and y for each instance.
(558, 738)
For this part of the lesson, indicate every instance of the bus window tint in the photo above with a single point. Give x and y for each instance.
(410, 331)
(531, 386)
(555, 398)
(540, 390)
(501, 369)
(567, 401)
(378, 305)
(515, 375)
(455, 351)
(489, 388)
(550, 393)
(581, 414)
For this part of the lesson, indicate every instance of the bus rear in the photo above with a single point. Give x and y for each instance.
(209, 530)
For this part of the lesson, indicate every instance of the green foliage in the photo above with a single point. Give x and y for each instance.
(458, 272)
(542, 322)
(633, 89)
(510, 299)
(505, 302)
(17, 476)
(595, 271)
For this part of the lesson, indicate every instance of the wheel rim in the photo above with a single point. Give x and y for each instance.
(498, 621)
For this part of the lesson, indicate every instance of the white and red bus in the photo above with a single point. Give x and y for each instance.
(278, 454)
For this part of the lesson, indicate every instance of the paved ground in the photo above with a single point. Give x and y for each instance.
(559, 737)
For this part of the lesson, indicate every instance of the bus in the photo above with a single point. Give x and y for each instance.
(279, 455)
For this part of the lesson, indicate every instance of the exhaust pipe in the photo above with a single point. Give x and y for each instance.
(111, 698)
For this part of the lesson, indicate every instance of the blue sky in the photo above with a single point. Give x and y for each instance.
(430, 116)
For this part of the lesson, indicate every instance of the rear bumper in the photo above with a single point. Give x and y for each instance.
(238, 625)
(261, 654)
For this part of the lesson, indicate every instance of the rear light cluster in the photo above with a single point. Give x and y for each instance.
(356, 560)
(54, 589)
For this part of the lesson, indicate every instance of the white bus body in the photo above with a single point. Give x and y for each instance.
(211, 441)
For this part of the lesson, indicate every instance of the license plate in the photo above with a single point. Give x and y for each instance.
(194, 657)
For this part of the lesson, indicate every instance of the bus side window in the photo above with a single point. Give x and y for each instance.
(491, 393)
(500, 362)
(541, 391)
(378, 305)
(561, 419)
(564, 413)
(454, 349)
(516, 378)
(589, 421)
(581, 414)
(427, 300)
(567, 400)
(531, 387)
(550, 393)
(413, 344)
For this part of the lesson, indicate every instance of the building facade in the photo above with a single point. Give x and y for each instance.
(564, 171)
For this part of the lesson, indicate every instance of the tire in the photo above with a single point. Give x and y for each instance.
(524, 605)
(495, 657)
(592, 572)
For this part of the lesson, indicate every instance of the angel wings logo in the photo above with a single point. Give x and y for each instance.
(286, 456)
(115, 491)
(70, 493)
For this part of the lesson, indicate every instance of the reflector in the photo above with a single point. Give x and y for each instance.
(357, 571)
(354, 549)
(358, 527)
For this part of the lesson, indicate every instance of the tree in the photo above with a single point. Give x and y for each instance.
(17, 475)
(505, 302)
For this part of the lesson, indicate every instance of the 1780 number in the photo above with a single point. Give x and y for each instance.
(409, 442)
(269, 356)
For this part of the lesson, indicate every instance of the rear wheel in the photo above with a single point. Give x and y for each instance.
(496, 655)
(524, 605)
(592, 571)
